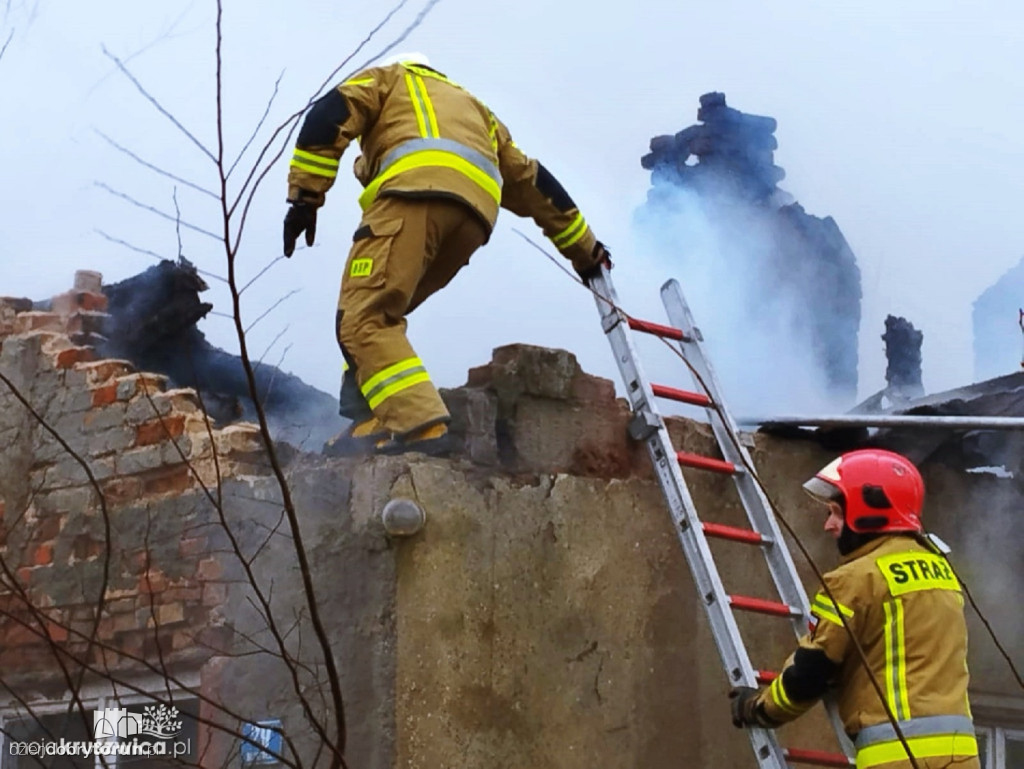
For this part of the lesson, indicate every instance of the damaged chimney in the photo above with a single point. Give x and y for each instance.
(786, 283)
(903, 356)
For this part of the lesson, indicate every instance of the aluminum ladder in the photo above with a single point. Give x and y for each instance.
(647, 425)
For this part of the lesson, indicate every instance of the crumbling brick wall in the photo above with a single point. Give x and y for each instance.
(145, 446)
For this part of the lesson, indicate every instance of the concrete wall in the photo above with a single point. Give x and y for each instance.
(544, 616)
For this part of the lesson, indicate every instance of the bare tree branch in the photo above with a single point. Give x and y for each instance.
(270, 309)
(334, 678)
(7, 42)
(162, 258)
(155, 168)
(259, 274)
(292, 121)
(259, 125)
(155, 103)
(156, 211)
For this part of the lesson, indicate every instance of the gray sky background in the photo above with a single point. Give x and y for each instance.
(901, 120)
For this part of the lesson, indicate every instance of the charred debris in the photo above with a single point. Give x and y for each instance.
(151, 322)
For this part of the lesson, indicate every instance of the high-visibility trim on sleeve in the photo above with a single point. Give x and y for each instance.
(824, 607)
(570, 234)
(359, 81)
(778, 693)
(315, 164)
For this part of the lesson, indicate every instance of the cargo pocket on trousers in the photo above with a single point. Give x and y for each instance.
(371, 246)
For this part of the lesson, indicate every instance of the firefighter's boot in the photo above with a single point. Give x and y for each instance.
(360, 438)
(433, 440)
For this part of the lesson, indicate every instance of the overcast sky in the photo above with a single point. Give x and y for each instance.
(900, 120)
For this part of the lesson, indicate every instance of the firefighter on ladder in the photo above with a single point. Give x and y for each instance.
(436, 165)
(901, 601)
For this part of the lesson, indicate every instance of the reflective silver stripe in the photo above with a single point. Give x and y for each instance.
(446, 145)
(915, 727)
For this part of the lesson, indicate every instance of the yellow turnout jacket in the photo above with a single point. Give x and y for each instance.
(903, 604)
(422, 135)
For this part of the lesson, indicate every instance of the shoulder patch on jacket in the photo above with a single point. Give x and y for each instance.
(552, 189)
(325, 116)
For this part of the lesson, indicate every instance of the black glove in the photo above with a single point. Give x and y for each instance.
(300, 217)
(747, 711)
(599, 256)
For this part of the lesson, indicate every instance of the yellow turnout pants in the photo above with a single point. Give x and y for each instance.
(404, 250)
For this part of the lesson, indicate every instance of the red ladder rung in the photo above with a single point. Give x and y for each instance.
(705, 463)
(765, 676)
(722, 531)
(668, 332)
(683, 396)
(762, 606)
(816, 757)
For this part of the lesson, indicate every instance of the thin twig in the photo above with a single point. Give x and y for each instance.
(154, 168)
(162, 258)
(259, 125)
(270, 309)
(291, 122)
(155, 103)
(151, 209)
(177, 220)
(7, 42)
(333, 676)
(104, 511)
(272, 262)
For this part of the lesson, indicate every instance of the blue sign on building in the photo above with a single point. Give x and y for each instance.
(262, 742)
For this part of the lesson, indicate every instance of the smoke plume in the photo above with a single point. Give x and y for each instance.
(775, 290)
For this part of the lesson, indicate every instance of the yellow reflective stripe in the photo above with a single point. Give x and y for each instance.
(425, 72)
(426, 158)
(493, 132)
(570, 234)
(779, 697)
(949, 746)
(895, 661)
(417, 104)
(312, 157)
(397, 387)
(359, 81)
(824, 607)
(390, 371)
(434, 130)
(315, 164)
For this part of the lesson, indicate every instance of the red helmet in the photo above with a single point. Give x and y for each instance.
(881, 491)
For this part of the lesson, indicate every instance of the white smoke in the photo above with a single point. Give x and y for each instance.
(724, 253)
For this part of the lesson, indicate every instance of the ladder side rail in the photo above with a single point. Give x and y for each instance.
(755, 503)
(736, 661)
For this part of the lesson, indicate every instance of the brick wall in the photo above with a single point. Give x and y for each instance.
(158, 547)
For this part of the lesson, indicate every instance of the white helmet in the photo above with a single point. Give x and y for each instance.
(407, 57)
